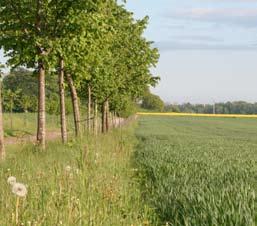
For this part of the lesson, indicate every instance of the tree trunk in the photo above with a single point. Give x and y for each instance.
(62, 102)
(107, 126)
(41, 131)
(2, 148)
(104, 117)
(95, 118)
(89, 109)
(75, 104)
(11, 117)
(112, 117)
(25, 119)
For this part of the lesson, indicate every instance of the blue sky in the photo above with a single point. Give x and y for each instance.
(208, 48)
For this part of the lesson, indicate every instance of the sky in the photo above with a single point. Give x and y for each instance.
(208, 48)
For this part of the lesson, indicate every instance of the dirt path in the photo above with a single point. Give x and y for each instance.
(51, 135)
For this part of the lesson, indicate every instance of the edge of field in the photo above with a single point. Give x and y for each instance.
(196, 115)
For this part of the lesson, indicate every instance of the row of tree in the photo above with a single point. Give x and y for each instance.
(237, 107)
(95, 46)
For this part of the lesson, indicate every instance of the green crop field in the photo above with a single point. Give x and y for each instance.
(198, 171)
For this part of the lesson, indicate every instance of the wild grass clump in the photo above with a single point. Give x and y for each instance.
(87, 182)
(199, 171)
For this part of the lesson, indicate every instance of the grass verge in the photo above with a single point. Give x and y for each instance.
(87, 182)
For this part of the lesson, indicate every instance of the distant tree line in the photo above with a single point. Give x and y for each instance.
(152, 102)
(20, 92)
(236, 107)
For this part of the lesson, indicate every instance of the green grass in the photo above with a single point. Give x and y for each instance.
(99, 190)
(22, 124)
(199, 171)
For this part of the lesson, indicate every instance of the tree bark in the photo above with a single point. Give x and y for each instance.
(89, 109)
(75, 104)
(104, 117)
(107, 122)
(62, 102)
(41, 131)
(2, 148)
(95, 118)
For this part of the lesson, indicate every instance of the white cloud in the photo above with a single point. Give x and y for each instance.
(235, 16)
(217, 12)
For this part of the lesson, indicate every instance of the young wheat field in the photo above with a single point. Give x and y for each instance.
(198, 171)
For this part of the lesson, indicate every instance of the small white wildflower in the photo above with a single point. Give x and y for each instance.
(11, 180)
(68, 168)
(19, 189)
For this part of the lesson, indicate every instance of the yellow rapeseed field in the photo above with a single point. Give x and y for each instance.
(196, 115)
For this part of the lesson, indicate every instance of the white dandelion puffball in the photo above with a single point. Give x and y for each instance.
(11, 180)
(68, 168)
(19, 189)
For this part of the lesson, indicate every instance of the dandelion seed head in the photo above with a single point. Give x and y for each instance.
(11, 180)
(19, 189)
(68, 168)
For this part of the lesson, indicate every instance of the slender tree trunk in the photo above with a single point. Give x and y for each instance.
(62, 102)
(2, 148)
(41, 132)
(107, 122)
(75, 104)
(112, 117)
(25, 118)
(104, 117)
(89, 109)
(95, 118)
(11, 118)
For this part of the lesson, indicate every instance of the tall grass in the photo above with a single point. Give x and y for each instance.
(87, 182)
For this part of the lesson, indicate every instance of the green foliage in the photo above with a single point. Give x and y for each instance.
(199, 171)
(152, 102)
(116, 60)
(123, 106)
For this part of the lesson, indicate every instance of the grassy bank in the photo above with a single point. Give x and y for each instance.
(87, 182)
(199, 171)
